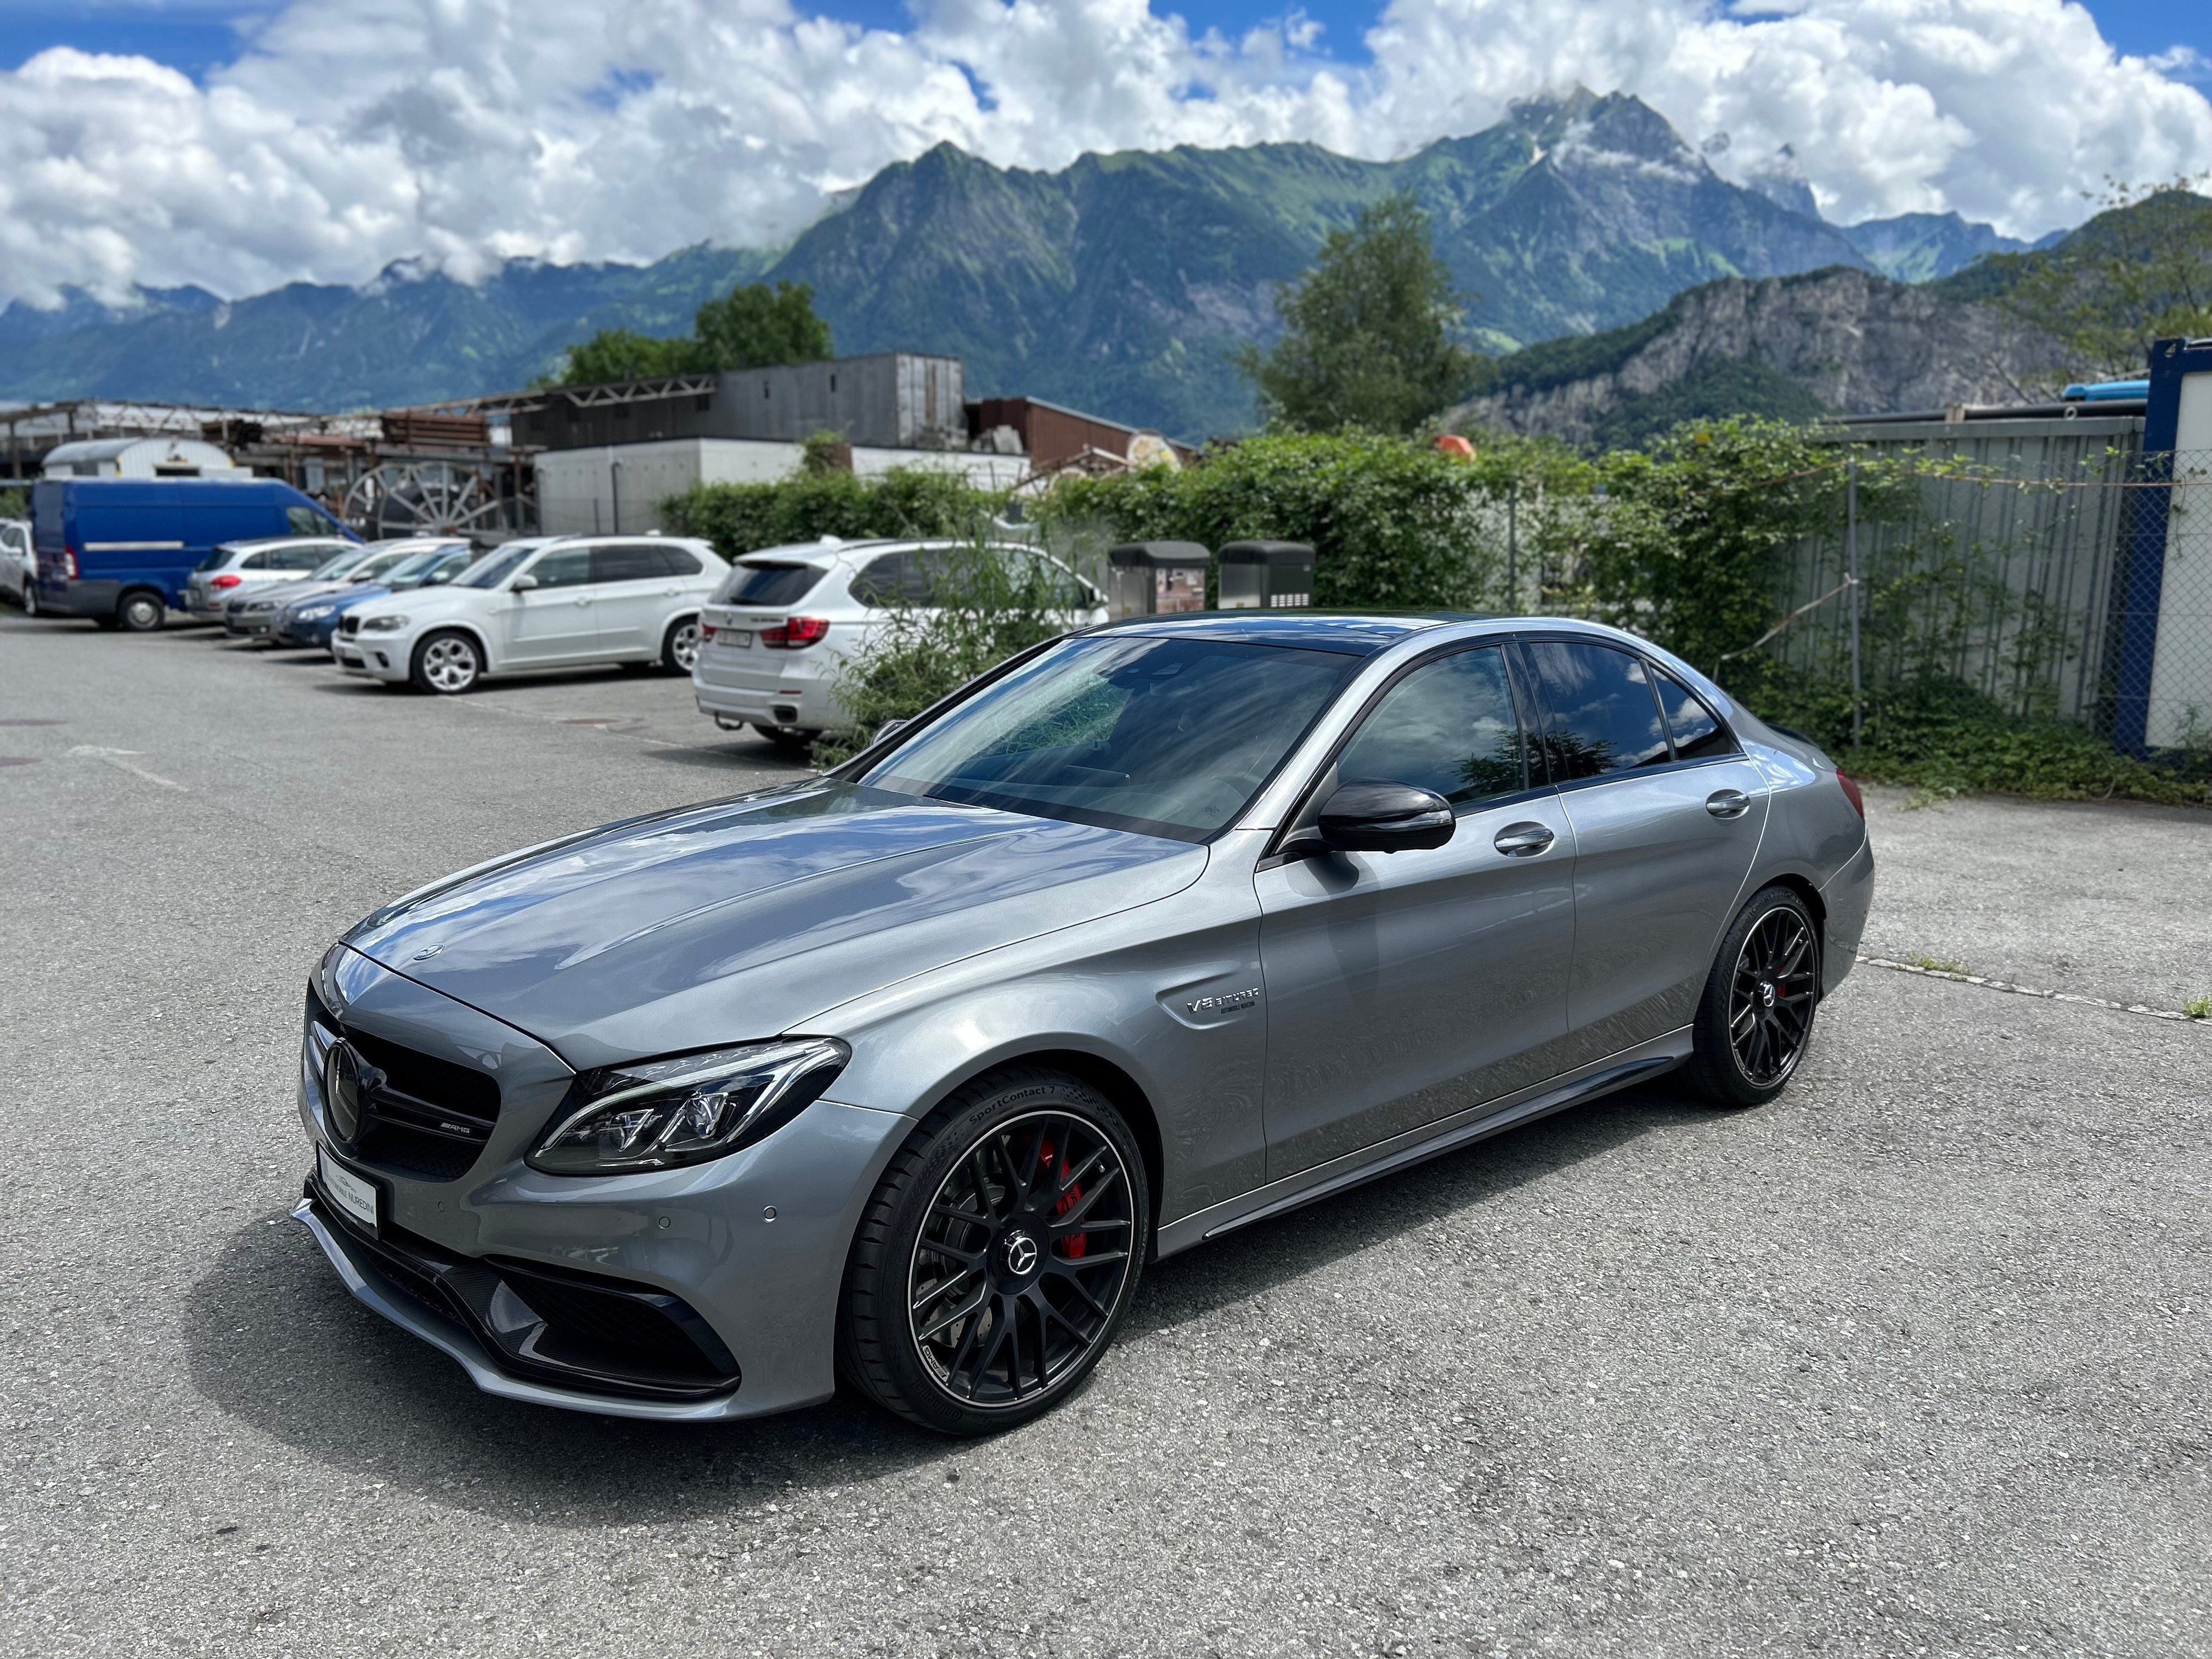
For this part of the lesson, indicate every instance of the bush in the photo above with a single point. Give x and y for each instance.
(983, 609)
(740, 518)
(1394, 524)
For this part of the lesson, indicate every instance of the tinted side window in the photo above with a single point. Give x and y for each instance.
(625, 561)
(255, 561)
(768, 583)
(305, 521)
(1450, 726)
(570, 567)
(1603, 716)
(1697, 734)
(675, 561)
(883, 581)
(307, 558)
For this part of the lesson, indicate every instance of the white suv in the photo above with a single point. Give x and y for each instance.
(539, 603)
(778, 629)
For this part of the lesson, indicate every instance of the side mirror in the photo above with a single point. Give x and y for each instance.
(437, 578)
(522, 583)
(1385, 817)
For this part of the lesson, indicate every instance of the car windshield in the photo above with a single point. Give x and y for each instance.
(498, 567)
(1167, 737)
(413, 564)
(768, 582)
(330, 569)
(449, 561)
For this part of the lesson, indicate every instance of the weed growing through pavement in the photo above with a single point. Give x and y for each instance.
(1939, 965)
(2199, 1008)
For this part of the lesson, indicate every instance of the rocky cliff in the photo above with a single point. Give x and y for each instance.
(1836, 341)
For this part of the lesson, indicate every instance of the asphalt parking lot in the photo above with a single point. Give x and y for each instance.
(1913, 1361)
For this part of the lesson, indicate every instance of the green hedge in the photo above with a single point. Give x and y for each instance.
(743, 518)
(1394, 524)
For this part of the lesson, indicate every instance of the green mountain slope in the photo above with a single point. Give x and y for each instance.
(1118, 284)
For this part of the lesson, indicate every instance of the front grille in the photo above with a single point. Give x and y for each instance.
(431, 1117)
(578, 1330)
(349, 626)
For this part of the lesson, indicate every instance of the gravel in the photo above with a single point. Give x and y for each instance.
(1914, 1360)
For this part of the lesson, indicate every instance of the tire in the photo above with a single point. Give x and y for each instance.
(139, 612)
(447, 663)
(1755, 1019)
(1013, 1312)
(790, 738)
(31, 598)
(679, 646)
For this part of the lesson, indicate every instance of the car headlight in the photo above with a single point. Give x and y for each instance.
(383, 625)
(313, 613)
(660, 1114)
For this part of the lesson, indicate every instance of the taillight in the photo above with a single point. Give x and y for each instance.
(706, 632)
(68, 560)
(795, 633)
(1851, 794)
(225, 580)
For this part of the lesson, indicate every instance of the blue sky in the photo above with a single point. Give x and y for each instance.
(196, 35)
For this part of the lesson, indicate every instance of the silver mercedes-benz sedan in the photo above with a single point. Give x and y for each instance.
(901, 1073)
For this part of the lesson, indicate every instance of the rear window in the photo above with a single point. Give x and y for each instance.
(766, 583)
(216, 558)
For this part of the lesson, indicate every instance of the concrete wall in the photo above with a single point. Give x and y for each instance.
(578, 489)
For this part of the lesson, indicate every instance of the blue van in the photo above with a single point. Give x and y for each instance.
(118, 549)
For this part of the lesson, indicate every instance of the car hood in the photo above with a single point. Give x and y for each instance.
(344, 598)
(747, 918)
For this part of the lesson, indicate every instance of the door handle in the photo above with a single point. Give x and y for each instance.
(1728, 803)
(1523, 840)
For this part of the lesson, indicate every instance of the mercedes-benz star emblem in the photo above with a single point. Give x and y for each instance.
(1765, 994)
(1021, 1253)
(348, 1081)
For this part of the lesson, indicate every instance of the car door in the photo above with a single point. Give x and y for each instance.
(556, 621)
(632, 589)
(1665, 833)
(1403, 988)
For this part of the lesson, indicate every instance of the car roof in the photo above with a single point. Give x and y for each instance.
(829, 549)
(1359, 633)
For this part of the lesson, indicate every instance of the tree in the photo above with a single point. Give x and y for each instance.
(753, 327)
(757, 326)
(1367, 337)
(2141, 271)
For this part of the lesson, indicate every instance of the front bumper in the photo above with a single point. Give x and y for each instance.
(380, 656)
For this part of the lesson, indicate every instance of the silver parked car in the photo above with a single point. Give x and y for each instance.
(901, 1073)
(19, 565)
(233, 568)
(254, 613)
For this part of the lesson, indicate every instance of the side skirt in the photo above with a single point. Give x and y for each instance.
(1601, 1077)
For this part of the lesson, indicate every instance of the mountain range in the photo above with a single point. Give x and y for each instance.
(1120, 284)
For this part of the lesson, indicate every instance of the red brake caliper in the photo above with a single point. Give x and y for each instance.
(1077, 1244)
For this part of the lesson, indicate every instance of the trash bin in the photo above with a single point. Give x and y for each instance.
(1266, 575)
(1158, 579)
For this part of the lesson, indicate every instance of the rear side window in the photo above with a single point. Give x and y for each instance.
(675, 561)
(304, 558)
(764, 583)
(1698, 734)
(1601, 715)
(1450, 726)
(886, 580)
(625, 561)
(258, 562)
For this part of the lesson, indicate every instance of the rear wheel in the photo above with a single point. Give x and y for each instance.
(679, 648)
(139, 611)
(31, 596)
(998, 1255)
(1756, 1017)
(447, 663)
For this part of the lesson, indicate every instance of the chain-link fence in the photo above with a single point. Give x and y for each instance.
(2049, 566)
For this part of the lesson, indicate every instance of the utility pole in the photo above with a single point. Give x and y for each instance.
(1851, 557)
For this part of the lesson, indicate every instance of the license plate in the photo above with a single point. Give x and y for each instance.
(742, 638)
(356, 1197)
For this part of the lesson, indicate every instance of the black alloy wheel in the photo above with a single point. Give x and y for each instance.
(1756, 1017)
(998, 1255)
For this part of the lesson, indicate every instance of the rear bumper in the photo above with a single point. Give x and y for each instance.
(1847, 898)
(801, 701)
(80, 598)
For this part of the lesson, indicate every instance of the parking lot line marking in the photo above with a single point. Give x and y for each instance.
(115, 757)
(2006, 986)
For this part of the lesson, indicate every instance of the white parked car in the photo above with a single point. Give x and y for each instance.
(233, 566)
(554, 602)
(19, 565)
(779, 629)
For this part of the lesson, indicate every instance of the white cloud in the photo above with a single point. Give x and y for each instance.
(354, 132)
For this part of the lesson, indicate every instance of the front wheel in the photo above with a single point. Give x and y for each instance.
(31, 598)
(997, 1256)
(1756, 1017)
(447, 663)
